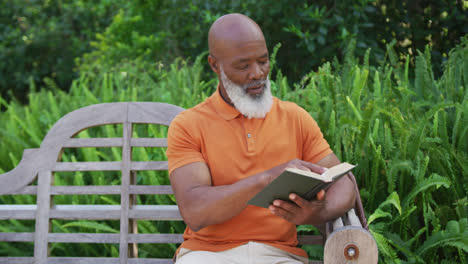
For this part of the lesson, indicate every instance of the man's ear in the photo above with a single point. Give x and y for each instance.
(213, 64)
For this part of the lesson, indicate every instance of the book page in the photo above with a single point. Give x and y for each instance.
(337, 170)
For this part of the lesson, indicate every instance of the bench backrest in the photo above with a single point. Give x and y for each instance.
(42, 163)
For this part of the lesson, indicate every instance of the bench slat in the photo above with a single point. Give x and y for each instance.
(26, 190)
(110, 166)
(94, 238)
(88, 189)
(114, 238)
(151, 189)
(110, 212)
(79, 260)
(147, 212)
(110, 189)
(20, 211)
(149, 165)
(93, 142)
(88, 166)
(101, 189)
(16, 260)
(17, 237)
(149, 142)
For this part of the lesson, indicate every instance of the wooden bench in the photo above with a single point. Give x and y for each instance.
(345, 239)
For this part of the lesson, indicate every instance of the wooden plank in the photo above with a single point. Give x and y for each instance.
(155, 212)
(83, 118)
(99, 238)
(100, 189)
(17, 237)
(84, 190)
(125, 189)
(102, 212)
(156, 238)
(32, 161)
(25, 190)
(88, 166)
(152, 113)
(20, 211)
(149, 142)
(353, 219)
(93, 142)
(150, 261)
(133, 222)
(149, 165)
(16, 260)
(81, 260)
(85, 260)
(151, 189)
(42, 217)
(83, 238)
(337, 223)
(310, 240)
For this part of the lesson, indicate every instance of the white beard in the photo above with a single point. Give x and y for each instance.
(250, 106)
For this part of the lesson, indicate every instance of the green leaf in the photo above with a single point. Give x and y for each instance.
(91, 225)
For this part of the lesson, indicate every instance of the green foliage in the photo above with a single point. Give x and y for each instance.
(163, 30)
(50, 38)
(405, 136)
(411, 146)
(41, 39)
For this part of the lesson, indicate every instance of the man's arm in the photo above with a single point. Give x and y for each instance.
(336, 201)
(202, 204)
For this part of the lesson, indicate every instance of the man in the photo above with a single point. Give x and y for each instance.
(226, 149)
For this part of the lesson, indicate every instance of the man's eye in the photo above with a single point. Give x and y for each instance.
(243, 66)
(263, 62)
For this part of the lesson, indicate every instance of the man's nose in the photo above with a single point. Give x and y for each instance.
(257, 72)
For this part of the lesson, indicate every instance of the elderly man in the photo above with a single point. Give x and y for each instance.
(226, 149)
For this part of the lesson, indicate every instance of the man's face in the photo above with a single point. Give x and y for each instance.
(247, 63)
(255, 105)
(243, 73)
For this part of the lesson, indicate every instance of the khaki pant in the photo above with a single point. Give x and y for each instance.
(250, 253)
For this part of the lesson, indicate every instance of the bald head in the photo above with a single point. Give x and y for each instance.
(231, 31)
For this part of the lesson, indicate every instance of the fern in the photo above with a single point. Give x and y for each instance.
(455, 235)
(90, 225)
(384, 248)
(433, 180)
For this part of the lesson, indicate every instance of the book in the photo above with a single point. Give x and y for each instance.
(304, 183)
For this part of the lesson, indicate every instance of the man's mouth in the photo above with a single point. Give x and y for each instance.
(256, 89)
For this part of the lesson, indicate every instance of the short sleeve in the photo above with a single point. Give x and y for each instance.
(183, 147)
(315, 146)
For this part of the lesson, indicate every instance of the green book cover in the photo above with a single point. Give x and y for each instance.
(303, 183)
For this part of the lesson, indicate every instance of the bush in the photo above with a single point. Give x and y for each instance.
(408, 137)
(41, 39)
(310, 33)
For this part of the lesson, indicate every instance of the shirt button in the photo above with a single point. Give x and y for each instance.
(248, 135)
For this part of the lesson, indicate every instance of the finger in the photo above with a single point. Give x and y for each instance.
(281, 212)
(321, 195)
(314, 167)
(286, 206)
(298, 166)
(303, 203)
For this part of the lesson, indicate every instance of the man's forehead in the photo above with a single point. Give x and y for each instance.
(232, 32)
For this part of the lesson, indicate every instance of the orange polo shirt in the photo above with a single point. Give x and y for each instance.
(235, 147)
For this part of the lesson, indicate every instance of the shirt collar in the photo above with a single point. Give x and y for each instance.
(225, 110)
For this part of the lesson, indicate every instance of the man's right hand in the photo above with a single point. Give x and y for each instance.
(274, 172)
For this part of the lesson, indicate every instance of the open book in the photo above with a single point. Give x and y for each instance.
(306, 184)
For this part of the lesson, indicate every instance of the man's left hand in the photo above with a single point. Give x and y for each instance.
(300, 211)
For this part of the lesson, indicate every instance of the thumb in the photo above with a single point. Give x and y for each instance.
(321, 195)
